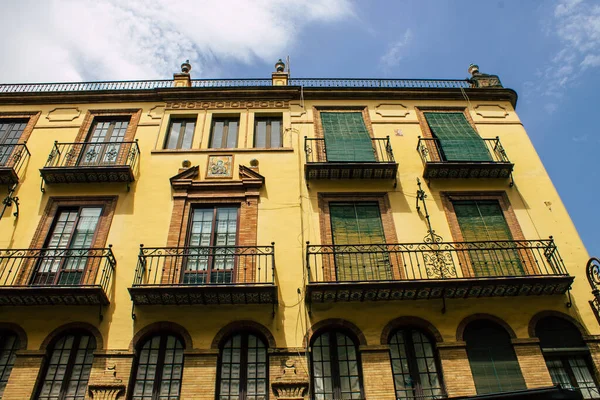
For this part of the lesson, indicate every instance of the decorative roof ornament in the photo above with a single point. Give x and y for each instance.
(186, 67)
(280, 66)
(480, 80)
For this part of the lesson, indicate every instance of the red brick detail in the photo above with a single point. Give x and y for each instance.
(108, 204)
(456, 370)
(409, 321)
(33, 117)
(159, 327)
(466, 321)
(199, 376)
(239, 326)
(334, 323)
(533, 366)
(24, 375)
(134, 114)
(17, 330)
(61, 330)
(551, 313)
(377, 375)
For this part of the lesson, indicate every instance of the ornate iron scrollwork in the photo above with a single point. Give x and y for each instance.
(593, 275)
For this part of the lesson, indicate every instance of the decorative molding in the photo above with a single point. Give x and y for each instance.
(252, 150)
(297, 110)
(157, 111)
(391, 110)
(233, 104)
(491, 111)
(106, 392)
(219, 166)
(290, 386)
(61, 114)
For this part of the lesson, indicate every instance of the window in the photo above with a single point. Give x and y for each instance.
(224, 133)
(73, 228)
(104, 142)
(456, 140)
(346, 137)
(335, 367)
(9, 344)
(181, 133)
(243, 369)
(483, 220)
(414, 365)
(567, 356)
(268, 132)
(212, 237)
(492, 358)
(68, 367)
(10, 133)
(159, 368)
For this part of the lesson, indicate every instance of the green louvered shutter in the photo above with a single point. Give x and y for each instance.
(359, 224)
(483, 221)
(457, 138)
(346, 137)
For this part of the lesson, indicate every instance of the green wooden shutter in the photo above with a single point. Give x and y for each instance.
(359, 224)
(346, 137)
(457, 138)
(484, 221)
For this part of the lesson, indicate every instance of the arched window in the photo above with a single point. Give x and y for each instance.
(335, 367)
(415, 366)
(159, 368)
(9, 343)
(567, 356)
(243, 368)
(67, 368)
(492, 358)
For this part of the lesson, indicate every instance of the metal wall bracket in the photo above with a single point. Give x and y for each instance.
(9, 200)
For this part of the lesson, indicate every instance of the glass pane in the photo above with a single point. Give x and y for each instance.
(276, 133)
(188, 135)
(232, 135)
(173, 135)
(216, 141)
(260, 134)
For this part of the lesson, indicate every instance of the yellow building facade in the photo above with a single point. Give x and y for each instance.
(284, 239)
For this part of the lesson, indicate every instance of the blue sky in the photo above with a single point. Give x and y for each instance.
(549, 52)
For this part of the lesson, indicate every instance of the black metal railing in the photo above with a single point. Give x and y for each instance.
(316, 151)
(85, 86)
(211, 83)
(75, 267)
(380, 83)
(426, 261)
(13, 156)
(431, 150)
(205, 266)
(88, 154)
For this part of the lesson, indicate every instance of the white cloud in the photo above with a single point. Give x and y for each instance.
(394, 54)
(59, 40)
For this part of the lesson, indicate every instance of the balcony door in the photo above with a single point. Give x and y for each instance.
(211, 240)
(10, 133)
(356, 231)
(346, 137)
(64, 261)
(483, 220)
(104, 143)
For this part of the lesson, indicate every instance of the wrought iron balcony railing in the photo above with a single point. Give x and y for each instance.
(205, 275)
(320, 164)
(56, 276)
(380, 83)
(489, 160)
(13, 157)
(445, 269)
(91, 162)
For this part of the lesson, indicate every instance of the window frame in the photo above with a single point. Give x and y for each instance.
(181, 135)
(4, 334)
(268, 119)
(224, 139)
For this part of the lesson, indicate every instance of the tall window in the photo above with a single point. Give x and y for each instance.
(212, 238)
(346, 137)
(335, 367)
(243, 369)
(73, 228)
(415, 366)
(68, 367)
(567, 356)
(181, 133)
(159, 368)
(224, 133)
(268, 132)
(9, 344)
(456, 138)
(10, 133)
(104, 141)
(492, 358)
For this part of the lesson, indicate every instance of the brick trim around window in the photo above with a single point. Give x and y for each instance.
(409, 322)
(460, 330)
(134, 114)
(32, 116)
(73, 326)
(157, 328)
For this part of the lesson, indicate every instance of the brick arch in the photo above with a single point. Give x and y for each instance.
(463, 324)
(333, 323)
(246, 325)
(17, 330)
(551, 313)
(411, 321)
(84, 326)
(162, 326)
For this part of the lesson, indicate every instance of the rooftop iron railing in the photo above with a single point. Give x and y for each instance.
(73, 267)
(218, 83)
(93, 154)
(316, 151)
(13, 156)
(437, 261)
(205, 266)
(431, 149)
